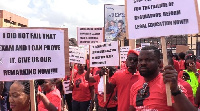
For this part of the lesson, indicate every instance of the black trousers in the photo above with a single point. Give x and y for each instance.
(68, 98)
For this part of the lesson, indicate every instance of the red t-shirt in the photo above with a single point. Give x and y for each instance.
(155, 99)
(95, 69)
(188, 88)
(176, 65)
(182, 65)
(81, 91)
(123, 80)
(112, 103)
(76, 66)
(197, 65)
(54, 97)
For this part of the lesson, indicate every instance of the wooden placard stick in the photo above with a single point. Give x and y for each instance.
(32, 95)
(197, 12)
(119, 55)
(72, 72)
(165, 62)
(104, 82)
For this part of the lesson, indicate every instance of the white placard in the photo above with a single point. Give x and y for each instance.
(89, 35)
(144, 44)
(71, 54)
(104, 54)
(28, 54)
(123, 53)
(114, 16)
(66, 87)
(77, 55)
(138, 49)
(86, 47)
(101, 86)
(156, 18)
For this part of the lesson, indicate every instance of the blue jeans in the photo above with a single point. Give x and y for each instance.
(80, 106)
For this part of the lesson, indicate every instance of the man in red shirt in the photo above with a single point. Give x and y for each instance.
(123, 80)
(149, 93)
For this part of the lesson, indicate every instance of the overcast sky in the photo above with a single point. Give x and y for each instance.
(60, 13)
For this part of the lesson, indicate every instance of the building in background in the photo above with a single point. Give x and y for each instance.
(8, 19)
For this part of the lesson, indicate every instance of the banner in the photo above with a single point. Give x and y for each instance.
(114, 22)
(123, 53)
(156, 18)
(89, 35)
(77, 55)
(104, 54)
(28, 54)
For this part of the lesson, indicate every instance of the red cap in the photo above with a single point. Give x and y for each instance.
(133, 52)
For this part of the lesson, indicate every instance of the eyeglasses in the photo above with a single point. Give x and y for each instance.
(132, 58)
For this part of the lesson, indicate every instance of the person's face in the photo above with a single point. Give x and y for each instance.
(132, 61)
(19, 101)
(112, 23)
(47, 86)
(189, 64)
(148, 64)
(119, 25)
(80, 67)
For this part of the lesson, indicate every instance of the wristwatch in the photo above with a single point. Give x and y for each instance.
(177, 92)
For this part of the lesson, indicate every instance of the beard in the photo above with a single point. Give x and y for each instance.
(147, 73)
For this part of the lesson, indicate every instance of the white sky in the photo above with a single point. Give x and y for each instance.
(61, 13)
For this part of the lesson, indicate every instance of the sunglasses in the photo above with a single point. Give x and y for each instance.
(190, 64)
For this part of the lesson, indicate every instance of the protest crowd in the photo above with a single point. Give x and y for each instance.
(137, 85)
(41, 71)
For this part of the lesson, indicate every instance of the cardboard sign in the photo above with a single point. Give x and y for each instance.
(77, 55)
(156, 18)
(182, 48)
(28, 54)
(104, 54)
(89, 35)
(123, 53)
(66, 87)
(114, 16)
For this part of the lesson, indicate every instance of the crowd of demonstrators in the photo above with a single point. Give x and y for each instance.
(111, 100)
(138, 85)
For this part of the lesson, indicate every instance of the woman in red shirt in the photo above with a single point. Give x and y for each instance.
(52, 96)
(82, 91)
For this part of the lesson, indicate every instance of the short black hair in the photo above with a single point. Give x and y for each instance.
(190, 57)
(181, 55)
(155, 50)
(121, 21)
(176, 56)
